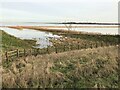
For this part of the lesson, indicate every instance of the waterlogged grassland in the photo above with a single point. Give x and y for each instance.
(11, 43)
(76, 34)
(73, 38)
(111, 39)
(85, 68)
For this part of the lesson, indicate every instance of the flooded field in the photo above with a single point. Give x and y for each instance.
(103, 29)
(41, 37)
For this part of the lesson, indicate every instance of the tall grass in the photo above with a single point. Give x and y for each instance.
(86, 68)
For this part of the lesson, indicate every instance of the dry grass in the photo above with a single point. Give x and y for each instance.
(74, 69)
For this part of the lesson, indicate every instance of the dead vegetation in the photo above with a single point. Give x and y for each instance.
(74, 69)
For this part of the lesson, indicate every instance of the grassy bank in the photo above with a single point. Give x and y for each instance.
(111, 39)
(74, 69)
(10, 42)
(80, 41)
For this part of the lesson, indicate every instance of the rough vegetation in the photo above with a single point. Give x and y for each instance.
(111, 39)
(84, 68)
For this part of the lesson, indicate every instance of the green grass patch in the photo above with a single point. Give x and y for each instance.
(10, 42)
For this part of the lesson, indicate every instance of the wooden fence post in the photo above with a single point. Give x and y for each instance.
(91, 45)
(17, 53)
(71, 47)
(96, 45)
(37, 50)
(30, 52)
(85, 46)
(6, 55)
(47, 49)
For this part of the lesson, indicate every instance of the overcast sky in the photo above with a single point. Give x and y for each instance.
(59, 10)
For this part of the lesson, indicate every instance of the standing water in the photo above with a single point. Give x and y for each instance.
(42, 38)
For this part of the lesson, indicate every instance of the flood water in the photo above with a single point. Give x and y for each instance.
(42, 38)
(113, 31)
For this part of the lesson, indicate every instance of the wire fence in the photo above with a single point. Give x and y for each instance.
(8, 55)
